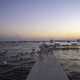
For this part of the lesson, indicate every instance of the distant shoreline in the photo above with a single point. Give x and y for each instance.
(36, 40)
(22, 41)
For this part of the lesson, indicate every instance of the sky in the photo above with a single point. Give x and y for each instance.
(39, 19)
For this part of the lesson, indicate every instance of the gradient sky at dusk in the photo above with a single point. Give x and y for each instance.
(39, 19)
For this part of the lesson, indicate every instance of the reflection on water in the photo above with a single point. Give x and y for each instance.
(69, 58)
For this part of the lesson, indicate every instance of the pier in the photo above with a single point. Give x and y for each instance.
(47, 69)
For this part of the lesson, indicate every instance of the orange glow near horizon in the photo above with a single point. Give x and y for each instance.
(52, 35)
(41, 33)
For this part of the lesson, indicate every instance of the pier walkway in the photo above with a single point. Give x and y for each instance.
(47, 69)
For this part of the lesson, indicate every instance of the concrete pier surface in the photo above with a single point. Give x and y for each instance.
(47, 69)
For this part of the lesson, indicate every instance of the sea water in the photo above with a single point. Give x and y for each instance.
(69, 59)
